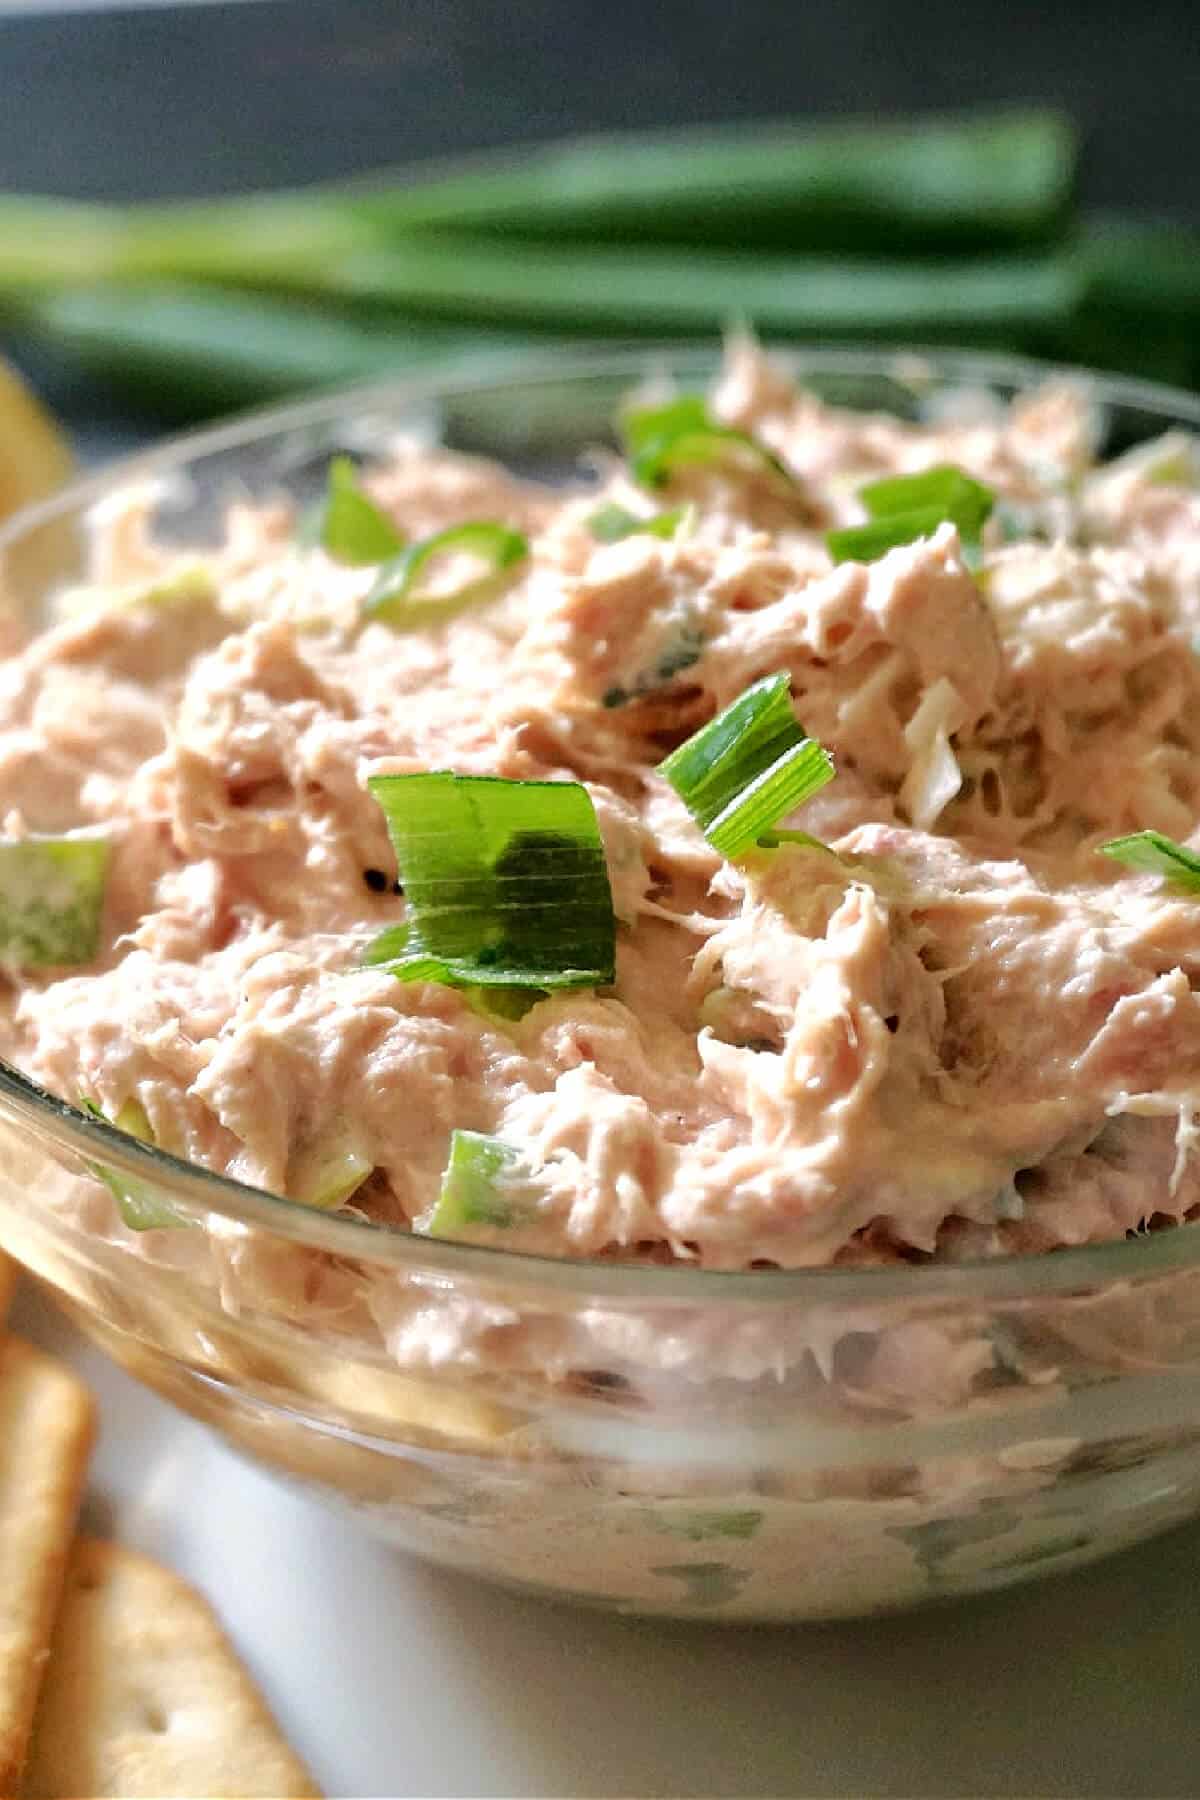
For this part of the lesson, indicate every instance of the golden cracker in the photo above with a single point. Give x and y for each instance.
(145, 1696)
(46, 1421)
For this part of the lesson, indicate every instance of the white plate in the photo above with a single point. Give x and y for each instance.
(396, 1679)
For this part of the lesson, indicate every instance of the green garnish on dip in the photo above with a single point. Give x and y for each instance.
(506, 883)
(329, 1169)
(51, 900)
(1156, 854)
(479, 1186)
(395, 599)
(748, 768)
(139, 1203)
(347, 524)
(610, 523)
(683, 434)
(903, 508)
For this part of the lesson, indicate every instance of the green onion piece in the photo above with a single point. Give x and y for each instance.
(189, 584)
(51, 900)
(903, 508)
(644, 425)
(747, 768)
(697, 1526)
(1157, 854)
(477, 1187)
(682, 434)
(139, 1203)
(347, 524)
(609, 524)
(329, 1169)
(771, 840)
(510, 1004)
(505, 881)
(866, 543)
(959, 495)
(799, 774)
(391, 599)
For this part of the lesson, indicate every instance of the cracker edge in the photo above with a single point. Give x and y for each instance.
(20, 1682)
(93, 1562)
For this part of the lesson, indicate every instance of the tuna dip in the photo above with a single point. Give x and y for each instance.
(778, 854)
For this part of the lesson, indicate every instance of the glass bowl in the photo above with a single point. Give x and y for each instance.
(661, 1440)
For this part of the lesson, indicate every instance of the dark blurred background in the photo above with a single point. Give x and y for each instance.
(125, 102)
(118, 102)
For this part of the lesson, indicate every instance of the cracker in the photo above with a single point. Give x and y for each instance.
(8, 1281)
(45, 1435)
(145, 1696)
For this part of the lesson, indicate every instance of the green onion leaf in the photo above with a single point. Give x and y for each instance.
(1157, 854)
(347, 524)
(330, 1169)
(697, 1526)
(609, 524)
(903, 508)
(392, 598)
(505, 882)
(478, 1186)
(959, 495)
(771, 840)
(51, 900)
(748, 768)
(682, 434)
(139, 1203)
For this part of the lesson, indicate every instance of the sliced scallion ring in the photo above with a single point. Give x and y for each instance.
(140, 1204)
(903, 508)
(505, 882)
(51, 900)
(683, 434)
(347, 524)
(480, 1186)
(610, 523)
(330, 1168)
(748, 768)
(395, 599)
(1156, 854)
(967, 501)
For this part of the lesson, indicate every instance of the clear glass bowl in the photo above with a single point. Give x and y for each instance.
(666, 1440)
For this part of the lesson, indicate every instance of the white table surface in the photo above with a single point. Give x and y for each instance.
(397, 1679)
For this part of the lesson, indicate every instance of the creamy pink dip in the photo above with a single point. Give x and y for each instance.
(966, 1032)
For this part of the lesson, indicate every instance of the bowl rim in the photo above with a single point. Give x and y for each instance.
(1014, 1276)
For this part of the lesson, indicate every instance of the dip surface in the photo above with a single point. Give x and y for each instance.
(963, 1032)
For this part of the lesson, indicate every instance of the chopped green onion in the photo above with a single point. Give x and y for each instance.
(960, 496)
(1157, 854)
(866, 543)
(392, 599)
(504, 1003)
(697, 1526)
(903, 508)
(139, 1203)
(644, 425)
(188, 584)
(683, 433)
(771, 840)
(347, 524)
(748, 768)
(505, 881)
(609, 524)
(330, 1169)
(477, 1186)
(51, 900)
